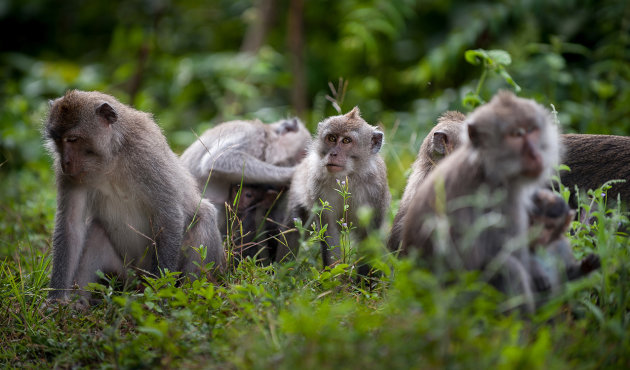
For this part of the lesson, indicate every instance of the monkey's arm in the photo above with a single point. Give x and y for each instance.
(235, 164)
(68, 239)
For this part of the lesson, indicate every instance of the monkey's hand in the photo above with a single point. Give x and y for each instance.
(587, 265)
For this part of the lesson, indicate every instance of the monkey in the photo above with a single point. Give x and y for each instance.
(442, 140)
(245, 151)
(511, 150)
(551, 215)
(345, 150)
(595, 159)
(253, 205)
(123, 197)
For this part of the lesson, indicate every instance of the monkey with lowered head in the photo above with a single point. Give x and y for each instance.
(253, 205)
(123, 197)
(551, 215)
(512, 148)
(443, 139)
(245, 151)
(345, 148)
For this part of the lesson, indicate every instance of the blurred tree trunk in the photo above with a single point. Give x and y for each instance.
(264, 15)
(295, 29)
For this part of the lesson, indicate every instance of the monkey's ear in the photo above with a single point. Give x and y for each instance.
(107, 112)
(474, 135)
(377, 141)
(289, 125)
(440, 142)
(354, 113)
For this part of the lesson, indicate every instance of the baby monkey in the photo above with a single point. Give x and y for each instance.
(252, 205)
(552, 215)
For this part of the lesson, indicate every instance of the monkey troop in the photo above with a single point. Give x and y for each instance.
(123, 198)
(126, 200)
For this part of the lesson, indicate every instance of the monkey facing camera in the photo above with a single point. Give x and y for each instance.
(345, 148)
(511, 150)
(123, 198)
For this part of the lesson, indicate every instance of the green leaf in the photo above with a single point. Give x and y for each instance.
(472, 100)
(475, 57)
(500, 57)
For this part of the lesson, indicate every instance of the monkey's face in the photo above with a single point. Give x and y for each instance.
(339, 151)
(524, 141)
(346, 142)
(250, 196)
(514, 138)
(78, 136)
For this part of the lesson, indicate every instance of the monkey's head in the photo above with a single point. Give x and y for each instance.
(346, 142)
(552, 213)
(445, 137)
(515, 138)
(250, 196)
(287, 141)
(79, 133)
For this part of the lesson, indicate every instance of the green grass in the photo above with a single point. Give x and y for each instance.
(296, 315)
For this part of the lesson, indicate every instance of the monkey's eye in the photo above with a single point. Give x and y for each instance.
(332, 138)
(346, 140)
(70, 139)
(519, 132)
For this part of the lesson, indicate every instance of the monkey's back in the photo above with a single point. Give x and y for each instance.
(595, 159)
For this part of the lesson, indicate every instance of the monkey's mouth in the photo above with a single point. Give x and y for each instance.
(334, 167)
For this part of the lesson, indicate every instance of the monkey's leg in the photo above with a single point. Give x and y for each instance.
(204, 231)
(515, 281)
(168, 240)
(331, 247)
(98, 254)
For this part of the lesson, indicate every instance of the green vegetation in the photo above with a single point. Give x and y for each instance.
(193, 65)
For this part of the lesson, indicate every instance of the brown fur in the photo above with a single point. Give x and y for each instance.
(595, 159)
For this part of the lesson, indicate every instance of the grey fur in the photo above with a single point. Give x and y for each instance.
(123, 195)
(486, 161)
(366, 175)
(256, 153)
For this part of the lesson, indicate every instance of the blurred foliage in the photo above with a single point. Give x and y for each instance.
(406, 64)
